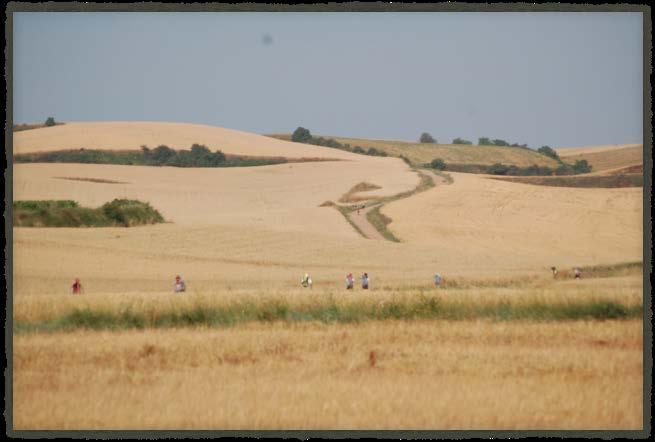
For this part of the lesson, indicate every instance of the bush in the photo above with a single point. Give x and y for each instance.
(438, 164)
(67, 213)
(427, 138)
(301, 135)
(461, 141)
(500, 143)
(549, 152)
(50, 121)
(484, 141)
(581, 166)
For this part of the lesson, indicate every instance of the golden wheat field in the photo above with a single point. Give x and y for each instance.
(389, 375)
(248, 234)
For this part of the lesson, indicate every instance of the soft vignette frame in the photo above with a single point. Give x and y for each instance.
(330, 7)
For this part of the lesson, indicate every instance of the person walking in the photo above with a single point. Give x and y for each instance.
(180, 286)
(554, 270)
(365, 281)
(306, 281)
(76, 288)
(438, 280)
(349, 281)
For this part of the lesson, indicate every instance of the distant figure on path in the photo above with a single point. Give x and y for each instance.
(554, 270)
(438, 280)
(365, 281)
(76, 288)
(349, 281)
(306, 281)
(577, 273)
(180, 286)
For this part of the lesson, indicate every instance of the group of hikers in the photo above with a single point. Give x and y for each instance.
(180, 286)
(577, 273)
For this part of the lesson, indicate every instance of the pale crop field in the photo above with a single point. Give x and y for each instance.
(604, 159)
(374, 375)
(482, 222)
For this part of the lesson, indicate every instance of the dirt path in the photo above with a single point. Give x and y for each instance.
(359, 219)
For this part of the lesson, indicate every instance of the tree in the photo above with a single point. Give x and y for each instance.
(301, 135)
(438, 164)
(461, 141)
(581, 166)
(500, 142)
(427, 138)
(50, 122)
(549, 152)
(484, 141)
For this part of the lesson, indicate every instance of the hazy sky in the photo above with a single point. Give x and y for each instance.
(561, 79)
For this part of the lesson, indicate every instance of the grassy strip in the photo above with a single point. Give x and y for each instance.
(20, 127)
(198, 156)
(599, 181)
(330, 312)
(349, 197)
(446, 176)
(380, 221)
(66, 213)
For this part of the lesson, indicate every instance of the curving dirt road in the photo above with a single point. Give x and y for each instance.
(358, 217)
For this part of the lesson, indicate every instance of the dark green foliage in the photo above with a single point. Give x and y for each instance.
(484, 141)
(461, 141)
(50, 121)
(119, 212)
(301, 135)
(549, 152)
(426, 138)
(438, 164)
(508, 170)
(500, 143)
(581, 166)
(198, 156)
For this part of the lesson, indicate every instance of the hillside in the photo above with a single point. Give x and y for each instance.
(604, 158)
(421, 153)
(133, 135)
(265, 225)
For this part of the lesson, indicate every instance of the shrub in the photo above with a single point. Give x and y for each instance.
(581, 166)
(549, 152)
(500, 143)
(438, 164)
(427, 138)
(484, 141)
(50, 121)
(301, 135)
(461, 141)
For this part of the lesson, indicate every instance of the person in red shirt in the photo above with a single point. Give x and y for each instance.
(76, 288)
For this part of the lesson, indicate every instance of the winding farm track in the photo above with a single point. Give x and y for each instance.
(358, 217)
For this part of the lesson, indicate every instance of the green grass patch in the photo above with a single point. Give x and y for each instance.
(380, 221)
(66, 213)
(330, 311)
(197, 156)
(598, 181)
